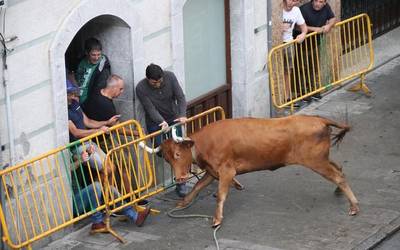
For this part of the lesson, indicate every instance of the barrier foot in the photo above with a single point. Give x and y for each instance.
(109, 230)
(142, 208)
(361, 86)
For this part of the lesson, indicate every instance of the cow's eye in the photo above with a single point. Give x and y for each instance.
(177, 155)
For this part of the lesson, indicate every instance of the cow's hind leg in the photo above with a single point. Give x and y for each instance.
(331, 173)
(202, 183)
(225, 180)
(337, 191)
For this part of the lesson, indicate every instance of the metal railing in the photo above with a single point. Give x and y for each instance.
(50, 192)
(40, 197)
(301, 70)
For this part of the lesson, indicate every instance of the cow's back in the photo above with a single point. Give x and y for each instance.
(255, 144)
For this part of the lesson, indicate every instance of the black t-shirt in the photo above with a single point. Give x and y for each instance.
(99, 107)
(316, 18)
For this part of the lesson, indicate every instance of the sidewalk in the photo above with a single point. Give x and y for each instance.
(294, 208)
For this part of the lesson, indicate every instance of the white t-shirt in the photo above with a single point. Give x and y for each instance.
(290, 18)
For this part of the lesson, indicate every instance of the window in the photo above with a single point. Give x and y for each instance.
(204, 42)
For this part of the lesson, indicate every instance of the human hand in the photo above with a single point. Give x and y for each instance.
(104, 129)
(113, 120)
(90, 149)
(85, 156)
(326, 29)
(163, 125)
(300, 38)
(181, 119)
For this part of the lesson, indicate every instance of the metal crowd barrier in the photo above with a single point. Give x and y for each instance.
(47, 194)
(39, 197)
(147, 170)
(301, 70)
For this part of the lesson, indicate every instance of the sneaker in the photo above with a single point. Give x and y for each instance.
(181, 190)
(316, 97)
(98, 228)
(141, 217)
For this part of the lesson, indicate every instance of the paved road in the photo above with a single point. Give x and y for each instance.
(294, 208)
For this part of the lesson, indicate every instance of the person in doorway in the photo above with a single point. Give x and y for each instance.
(164, 104)
(93, 70)
(100, 105)
(291, 16)
(90, 155)
(319, 18)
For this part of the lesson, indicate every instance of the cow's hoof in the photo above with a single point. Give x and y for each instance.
(338, 191)
(239, 186)
(353, 211)
(216, 222)
(181, 204)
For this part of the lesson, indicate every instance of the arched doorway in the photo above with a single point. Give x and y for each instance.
(120, 31)
(114, 34)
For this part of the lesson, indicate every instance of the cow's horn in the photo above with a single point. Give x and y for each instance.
(175, 137)
(148, 149)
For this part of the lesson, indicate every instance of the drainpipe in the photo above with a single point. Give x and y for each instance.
(272, 112)
(10, 126)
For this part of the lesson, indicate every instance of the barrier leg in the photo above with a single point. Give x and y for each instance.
(108, 228)
(361, 86)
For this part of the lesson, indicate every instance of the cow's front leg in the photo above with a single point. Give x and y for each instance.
(226, 175)
(202, 183)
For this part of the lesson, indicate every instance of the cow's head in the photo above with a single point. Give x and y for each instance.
(179, 156)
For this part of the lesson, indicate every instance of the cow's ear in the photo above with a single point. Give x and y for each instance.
(188, 143)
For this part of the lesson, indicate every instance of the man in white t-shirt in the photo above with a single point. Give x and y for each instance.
(291, 15)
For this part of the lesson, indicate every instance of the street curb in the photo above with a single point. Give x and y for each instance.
(381, 235)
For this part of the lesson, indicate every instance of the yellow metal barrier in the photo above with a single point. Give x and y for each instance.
(47, 193)
(143, 167)
(300, 70)
(39, 194)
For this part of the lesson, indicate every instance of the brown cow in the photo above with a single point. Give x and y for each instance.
(230, 147)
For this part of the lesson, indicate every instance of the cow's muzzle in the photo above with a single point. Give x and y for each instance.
(181, 180)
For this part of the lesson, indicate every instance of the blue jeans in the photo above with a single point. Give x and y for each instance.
(91, 197)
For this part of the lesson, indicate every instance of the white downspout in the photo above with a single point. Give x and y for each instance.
(10, 126)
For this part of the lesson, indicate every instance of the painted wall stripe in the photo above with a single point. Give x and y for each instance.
(32, 43)
(27, 91)
(260, 28)
(157, 33)
(14, 2)
(32, 134)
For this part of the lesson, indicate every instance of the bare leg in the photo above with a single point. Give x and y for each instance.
(223, 188)
(202, 183)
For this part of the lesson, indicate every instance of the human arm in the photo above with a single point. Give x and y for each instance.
(81, 133)
(90, 123)
(303, 28)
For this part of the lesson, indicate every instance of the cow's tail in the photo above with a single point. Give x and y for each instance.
(343, 129)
